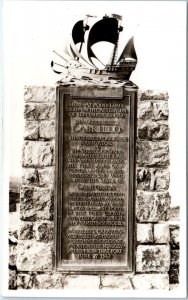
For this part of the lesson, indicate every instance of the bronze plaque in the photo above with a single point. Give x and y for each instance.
(95, 190)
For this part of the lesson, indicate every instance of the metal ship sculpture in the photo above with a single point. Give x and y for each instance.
(107, 29)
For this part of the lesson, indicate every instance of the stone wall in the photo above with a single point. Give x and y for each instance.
(155, 254)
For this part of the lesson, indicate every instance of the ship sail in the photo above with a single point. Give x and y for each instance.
(129, 51)
(78, 33)
(105, 30)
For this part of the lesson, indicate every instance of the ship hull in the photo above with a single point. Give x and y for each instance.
(117, 73)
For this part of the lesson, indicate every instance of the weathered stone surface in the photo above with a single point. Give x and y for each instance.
(153, 179)
(116, 281)
(26, 231)
(47, 130)
(152, 206)
(152, 153)
(25, 281)
(145, 110)
(154, 95)
(12, 254)
(43, 199)
(174, 214)
(174, 237)
(34, 256)
(46, 176)
(174, 258)
(144, 233)
(153, 110)
(38, 154)
(27, 210)
(12, 282)
(81, 281)
(160, 110)
(151, 258)
(43, 231)
(144, 176)
(36, 111)
(44, 281)
(161, 233)
(43, 177)
(31, 131)
(152, 131)
(39, 94)
(174, 275)
(36, 203)
(30, 176)
(13, 235)
(151, 281)
(161, 179)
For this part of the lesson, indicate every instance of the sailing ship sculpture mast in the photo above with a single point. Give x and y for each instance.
(119, 29)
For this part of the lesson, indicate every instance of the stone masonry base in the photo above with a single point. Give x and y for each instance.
(157, 241)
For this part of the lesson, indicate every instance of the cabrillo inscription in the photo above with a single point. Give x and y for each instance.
(95, 188)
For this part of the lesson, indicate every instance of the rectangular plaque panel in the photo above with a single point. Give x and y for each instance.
(94, 184)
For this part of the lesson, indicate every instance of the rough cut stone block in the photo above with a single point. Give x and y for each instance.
(161, 233)
(12, 281)
(174, 258)
(174, 214)
(174, 275)
(152, 153)
(27, 210)
(25, 281)
(39, 94)
(144, 233)
(43, 231)
(153, 179)
(160, 110)
(116, 281)
(161, 179)
(34, 256)
(152, 206)
(47, 130)
(26, 230)
(151, 281)
(38, 154)
(174, 236)
(152, 131)
(154, 95)
(36, 203)
(36, 111)
(12, 255)
(144, 176)
(44, 281)
(43, 201)
(145, 110)
(38, 177)
(151, 258)
(31, 131)
(46, 176)
(81, 281)
(30, 176)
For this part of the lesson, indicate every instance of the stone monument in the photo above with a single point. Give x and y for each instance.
(94, 200)
(95, 155)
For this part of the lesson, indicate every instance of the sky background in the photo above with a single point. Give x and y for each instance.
(33, 29)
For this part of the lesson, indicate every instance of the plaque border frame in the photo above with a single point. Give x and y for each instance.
(61, 93)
